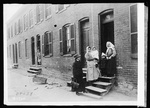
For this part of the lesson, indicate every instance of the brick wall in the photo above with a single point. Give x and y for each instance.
(127, 67)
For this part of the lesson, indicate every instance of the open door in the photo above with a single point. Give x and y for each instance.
(106, 29)
(33, 50)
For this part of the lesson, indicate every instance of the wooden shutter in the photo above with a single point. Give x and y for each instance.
(64, 40)
(43, 45)
(73, 39)
(51, 43)
(61, 41)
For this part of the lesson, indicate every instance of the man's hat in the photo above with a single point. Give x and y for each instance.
(76, 56)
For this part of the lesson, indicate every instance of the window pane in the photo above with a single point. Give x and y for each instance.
(61, 47)
(133, 16)
(73, 45)
(26, 47)
(60, 34)
(50, 37)
(134, 43)
(46, 45)
(50, 48)
(60, 7)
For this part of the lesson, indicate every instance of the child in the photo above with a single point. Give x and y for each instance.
(103, 64)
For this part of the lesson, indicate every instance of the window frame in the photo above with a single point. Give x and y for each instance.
(62, 40)
(26, 49)
(133, 55)
(19, 49)
(25, 17)
(39, 14)
(31, 19)
(48, 8)
(65, 7)
(44, 44)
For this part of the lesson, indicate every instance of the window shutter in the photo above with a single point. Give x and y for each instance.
(61, 41)
(43, 45)
(45, 9)
(27, 20)
(35, 18)
(42, 12)
(51, 43)
(73, 45)
(64, 38)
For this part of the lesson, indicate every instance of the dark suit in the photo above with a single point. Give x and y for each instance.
(78, 75)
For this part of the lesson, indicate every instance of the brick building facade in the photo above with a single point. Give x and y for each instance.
(59, 31)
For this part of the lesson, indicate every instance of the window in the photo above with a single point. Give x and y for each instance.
(8, 33)
(25, 17)
(133, 30)
(15, 28)
(26, 48)
(67, 39)
(47, 44)
(19, 48)
(39, 13)
(31, 18)
(47, 10)
(12, 31)
(19, 24)
(61, 7)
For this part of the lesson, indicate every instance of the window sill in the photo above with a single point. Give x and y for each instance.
(58, 12)
(48, 17)
(39, 22)
(31, 27)
(134, 56)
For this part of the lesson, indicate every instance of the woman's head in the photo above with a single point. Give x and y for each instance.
(109, 44)
(77, 57)
(93, 48)
(88, 49)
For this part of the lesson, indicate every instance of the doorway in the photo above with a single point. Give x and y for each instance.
(16, 59)
(106, 29)
(38, 44)
(33, 50)
(13, 47)
(84, 39)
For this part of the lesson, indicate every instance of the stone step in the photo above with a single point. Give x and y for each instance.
(102, 83)
(35, 68)
(103, 77)
(33, 71)
(96, 89)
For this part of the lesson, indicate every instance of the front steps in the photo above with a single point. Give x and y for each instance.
(98, 88)
(102, 86)
(35, 70)
(15, 66)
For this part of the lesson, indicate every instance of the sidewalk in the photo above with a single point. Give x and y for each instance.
(22, 89)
